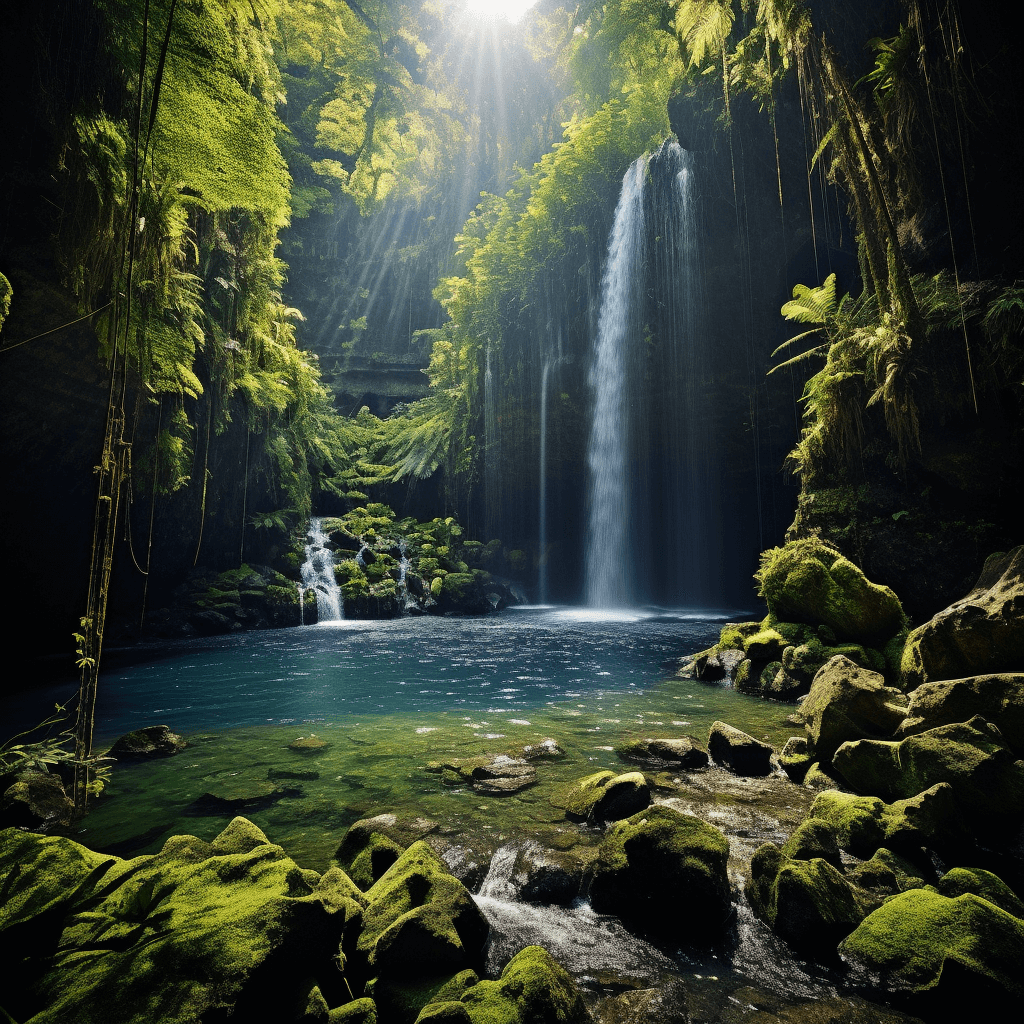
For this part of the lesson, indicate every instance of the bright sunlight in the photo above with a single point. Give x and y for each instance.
(510, 10)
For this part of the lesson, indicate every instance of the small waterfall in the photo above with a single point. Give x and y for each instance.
(498, 884)
(608, 582)
(542, 531)
(318, 574)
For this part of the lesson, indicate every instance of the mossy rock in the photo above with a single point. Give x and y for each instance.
(665, 872)
(419, 919)
(738, 751)
(807, 902)
(847, 702)
(357, 1011)
(997, 698)
(812, 839)
(888, 873)
(765, 645)
(152, 741)
(403, 999)
(808, 581)
(685, 752)
(533, 989)
(987, 780)
(947, 956)
(796, 758)
(863, 824)
(981, 633)
(188, 928)
(985, 884)
(605, 796)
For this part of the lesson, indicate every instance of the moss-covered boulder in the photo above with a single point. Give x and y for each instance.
(685, 752)
(985, 884)
(950, 956)
(812, 839)
(997, 698)
(533, 989)
(356, 1011)
(807, 902)
(664, 872)
(863, 824)
(979, 634)
(605, 796)
(420, 920)
(987, 779)
(847, 702)
(738, 751)
(372, 845)
(808, 581)
(187, 934)
(887, 873)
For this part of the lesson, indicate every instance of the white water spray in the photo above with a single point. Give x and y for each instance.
(318, 574)
(607, 580)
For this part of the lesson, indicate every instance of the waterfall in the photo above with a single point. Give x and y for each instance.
(608, 583)
(542, 531)
(318, 574)
(652, 477)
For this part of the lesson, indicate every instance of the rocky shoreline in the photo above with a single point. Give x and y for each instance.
(881, 845)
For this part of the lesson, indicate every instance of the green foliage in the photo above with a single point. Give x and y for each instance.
(6, 294)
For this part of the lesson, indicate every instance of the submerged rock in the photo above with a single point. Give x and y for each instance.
(310, 744)
(153, 741)
(664, 872)
(948, 955)
(491, 774)
(738, 751)
(685, 752)
(981, 633)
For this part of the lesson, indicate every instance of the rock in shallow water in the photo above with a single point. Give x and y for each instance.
(685, 752)
(739, 752)
(153, 741)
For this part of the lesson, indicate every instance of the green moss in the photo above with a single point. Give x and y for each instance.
(358, 1011)
(980, 882)
(963, 951)
(888, 872)
(808, 581)
(533, 989)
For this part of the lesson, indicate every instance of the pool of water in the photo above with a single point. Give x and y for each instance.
(388, 699)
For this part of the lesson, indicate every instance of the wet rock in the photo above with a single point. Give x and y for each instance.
(765, 645)
(987, 780)
(664, 872)
(94, 937)
(979, 634)
(232, 796)
(490, 774)
(813, 839)
(550, 876)
(997, 698)
(808, 581)
(739, 752)
(847, 702)
(605, 796)
(809, 903)
(685, 752)
(947, 956)
(863, 824)
(35, 800)
(545, 750)
(666, 1004)
(153, 741)
(711, 666)
(310, 744)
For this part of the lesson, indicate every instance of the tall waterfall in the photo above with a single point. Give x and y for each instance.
(318, 574)
(542, 530)
(653, 535)
(608, 582)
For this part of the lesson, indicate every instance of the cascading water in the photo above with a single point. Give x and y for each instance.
(318, 574)
(542, 531)
(608, 582)
(653, 535)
